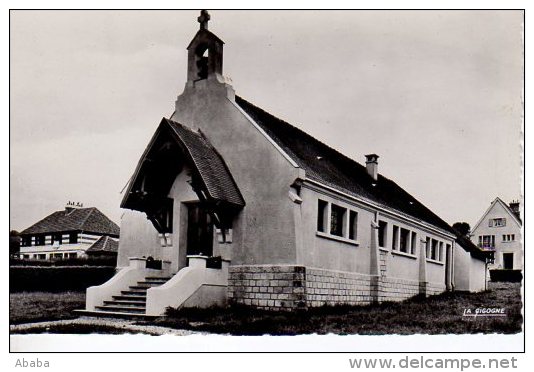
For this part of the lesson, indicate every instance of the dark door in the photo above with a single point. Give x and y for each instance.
(508, 261)
(199, 231)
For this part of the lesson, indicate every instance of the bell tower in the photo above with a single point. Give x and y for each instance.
(205, 53)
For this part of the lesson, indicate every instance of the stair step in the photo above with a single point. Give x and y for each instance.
(129, 297)
(138, 287)
(141, 285)
(151, 283)
(122, 309)
(126, 303)
(158, 278)
(134, 292)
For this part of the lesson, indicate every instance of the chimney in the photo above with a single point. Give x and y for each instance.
(514, 206)
(72, 205)
(371, 163)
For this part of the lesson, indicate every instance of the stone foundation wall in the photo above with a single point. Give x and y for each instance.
(268, 287)
(327, 287)
(287, 287)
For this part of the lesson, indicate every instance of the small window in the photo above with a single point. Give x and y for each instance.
(73, 255)
(404, 236)
(353, 225)
(322, 213)
(413, 248)
(73, 238)
(497, 222)
(382, 233)
(57, 238)
(440, 252)
(337, 220)
(512, 238)
(40, 240)
(26, 241)
(394, 241)
(428, 247)
(25, 256)
(42, 256)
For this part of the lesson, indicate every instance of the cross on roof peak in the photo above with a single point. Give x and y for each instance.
(203, 19)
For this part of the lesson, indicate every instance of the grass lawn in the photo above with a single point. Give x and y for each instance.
(26, 307)
(439, 314)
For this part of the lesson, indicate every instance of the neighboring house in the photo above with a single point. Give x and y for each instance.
(105, 246)
(499, 231)
(238, 205)
(68, 233)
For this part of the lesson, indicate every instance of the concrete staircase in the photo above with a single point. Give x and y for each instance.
(130, 303)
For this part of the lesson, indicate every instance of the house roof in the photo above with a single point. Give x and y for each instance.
(506, 208)
(75, 219)
(326, 165)
(216, 176)
(471, 247)
(217, 182)
(104, 244)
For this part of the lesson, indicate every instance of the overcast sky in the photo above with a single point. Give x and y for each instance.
(436, 94)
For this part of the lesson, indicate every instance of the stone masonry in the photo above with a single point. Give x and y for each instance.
(288, 287)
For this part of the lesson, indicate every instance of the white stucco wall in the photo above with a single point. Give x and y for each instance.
(138, 238)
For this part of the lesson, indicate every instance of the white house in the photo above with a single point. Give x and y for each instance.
(230, 204)
(67, 233)
(499, 230)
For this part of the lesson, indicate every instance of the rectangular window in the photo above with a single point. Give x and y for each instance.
(57, 256)
(428, 247)
(512, 238)
(394, 240)
(26, 241)
(487, 241)
(40, 240)
(434, 250)
(73, 238)
(42, 256)
(337, 220)
(413, 248)
(73, 255)
(382, 233)
(404, 236)
(440, 253)
(57, 238)
(322, 215)
(497, 222)
(504, 238)
(353, 225)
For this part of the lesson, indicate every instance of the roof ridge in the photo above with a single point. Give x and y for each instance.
(87, 217)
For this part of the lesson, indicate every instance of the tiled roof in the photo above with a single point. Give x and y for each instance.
(76, 219)
(328, 166)
(202, 157)
(211, 166)
(104, 244)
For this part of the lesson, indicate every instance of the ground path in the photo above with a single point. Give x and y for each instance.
(121, 325)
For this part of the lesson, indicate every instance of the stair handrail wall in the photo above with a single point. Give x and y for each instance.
(127, 276)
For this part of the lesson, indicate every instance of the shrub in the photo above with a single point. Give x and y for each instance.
(57, 278)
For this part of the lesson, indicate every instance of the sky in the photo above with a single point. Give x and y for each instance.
(436, 94)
